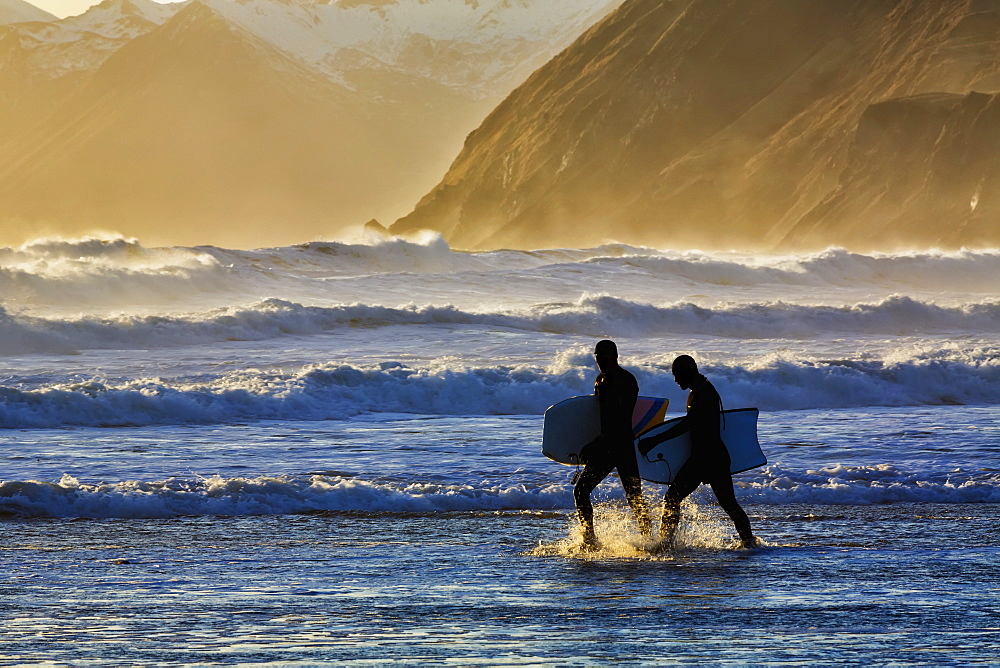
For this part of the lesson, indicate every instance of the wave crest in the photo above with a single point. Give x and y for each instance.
(449, 387)
(591, 315)
(89, 272)
(277, 495)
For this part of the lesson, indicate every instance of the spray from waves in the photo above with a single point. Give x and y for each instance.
(450, 387)
(101, 272)
(278, 495)
(598, 315)
(110, 270)
(964, 270)
(97, 271)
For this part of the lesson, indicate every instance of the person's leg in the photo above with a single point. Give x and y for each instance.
(592, 475)
(726, 495)
(687, 481)
(628, 473)
(633, 494)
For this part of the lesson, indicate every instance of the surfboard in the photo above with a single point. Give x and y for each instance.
(739, 433)
(575, 422)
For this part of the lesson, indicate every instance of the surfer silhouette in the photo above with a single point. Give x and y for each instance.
(616, 391)
(709, 461)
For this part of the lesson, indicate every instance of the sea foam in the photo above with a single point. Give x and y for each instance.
(102, 272)
(452, 387)
(276, 495)
(590, 315)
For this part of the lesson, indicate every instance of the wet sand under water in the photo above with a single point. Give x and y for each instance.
(888, 584)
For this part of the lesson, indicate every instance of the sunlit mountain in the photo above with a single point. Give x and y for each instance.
(721, 123)
(251, 122)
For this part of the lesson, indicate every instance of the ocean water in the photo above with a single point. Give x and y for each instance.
(330, 453)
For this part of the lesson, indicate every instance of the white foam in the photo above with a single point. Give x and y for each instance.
(867, 485)
(100, 272)
(275, 495)
(599, 315)
(262, 496)
(451, 386)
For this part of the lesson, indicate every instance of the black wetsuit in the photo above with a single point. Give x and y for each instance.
(617, 391)
(709, 461)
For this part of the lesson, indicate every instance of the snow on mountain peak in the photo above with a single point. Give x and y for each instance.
(121, 18)
(54, 48)
(482, 45)
(485, 47)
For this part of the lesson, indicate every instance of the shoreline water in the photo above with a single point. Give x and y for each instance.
(406, 463)
(910, 585)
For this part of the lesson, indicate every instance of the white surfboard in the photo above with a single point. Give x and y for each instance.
(739, 433)
(575, 422)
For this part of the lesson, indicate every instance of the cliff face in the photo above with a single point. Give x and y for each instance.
(922, 169)
(715, 123)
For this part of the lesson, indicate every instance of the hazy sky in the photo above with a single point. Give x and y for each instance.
(63, 8)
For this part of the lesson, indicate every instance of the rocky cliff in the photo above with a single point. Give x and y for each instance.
(721, 123)
(923, 170)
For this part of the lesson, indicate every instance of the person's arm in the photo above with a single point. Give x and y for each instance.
(647, 444)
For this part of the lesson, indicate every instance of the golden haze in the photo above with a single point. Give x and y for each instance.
(198, 132)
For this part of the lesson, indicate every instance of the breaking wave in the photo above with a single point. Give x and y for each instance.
(115, 271)
(276, 495)
(263, 495)
(589, 316)
(449, 387)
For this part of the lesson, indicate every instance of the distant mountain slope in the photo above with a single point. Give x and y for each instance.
(43, 63)
(717, 123)
(253, 122)
(17, 11)
(170, 131)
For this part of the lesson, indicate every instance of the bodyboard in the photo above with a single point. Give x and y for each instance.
(575, 422)
(739, 432)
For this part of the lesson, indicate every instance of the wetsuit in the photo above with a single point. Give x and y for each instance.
(709, 462)
(616, 391)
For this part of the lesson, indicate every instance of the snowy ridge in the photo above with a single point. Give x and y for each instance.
(450, 387)
(82, 43)
(454, 42)
(487, 47)
(275, 495)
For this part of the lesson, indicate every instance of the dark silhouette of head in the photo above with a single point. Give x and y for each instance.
(685, 371)
(606, 353)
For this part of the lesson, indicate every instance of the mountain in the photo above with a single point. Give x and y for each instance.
(18, 11)
(925, 167)
(43, 63)
(721, 123)
(253, 122)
